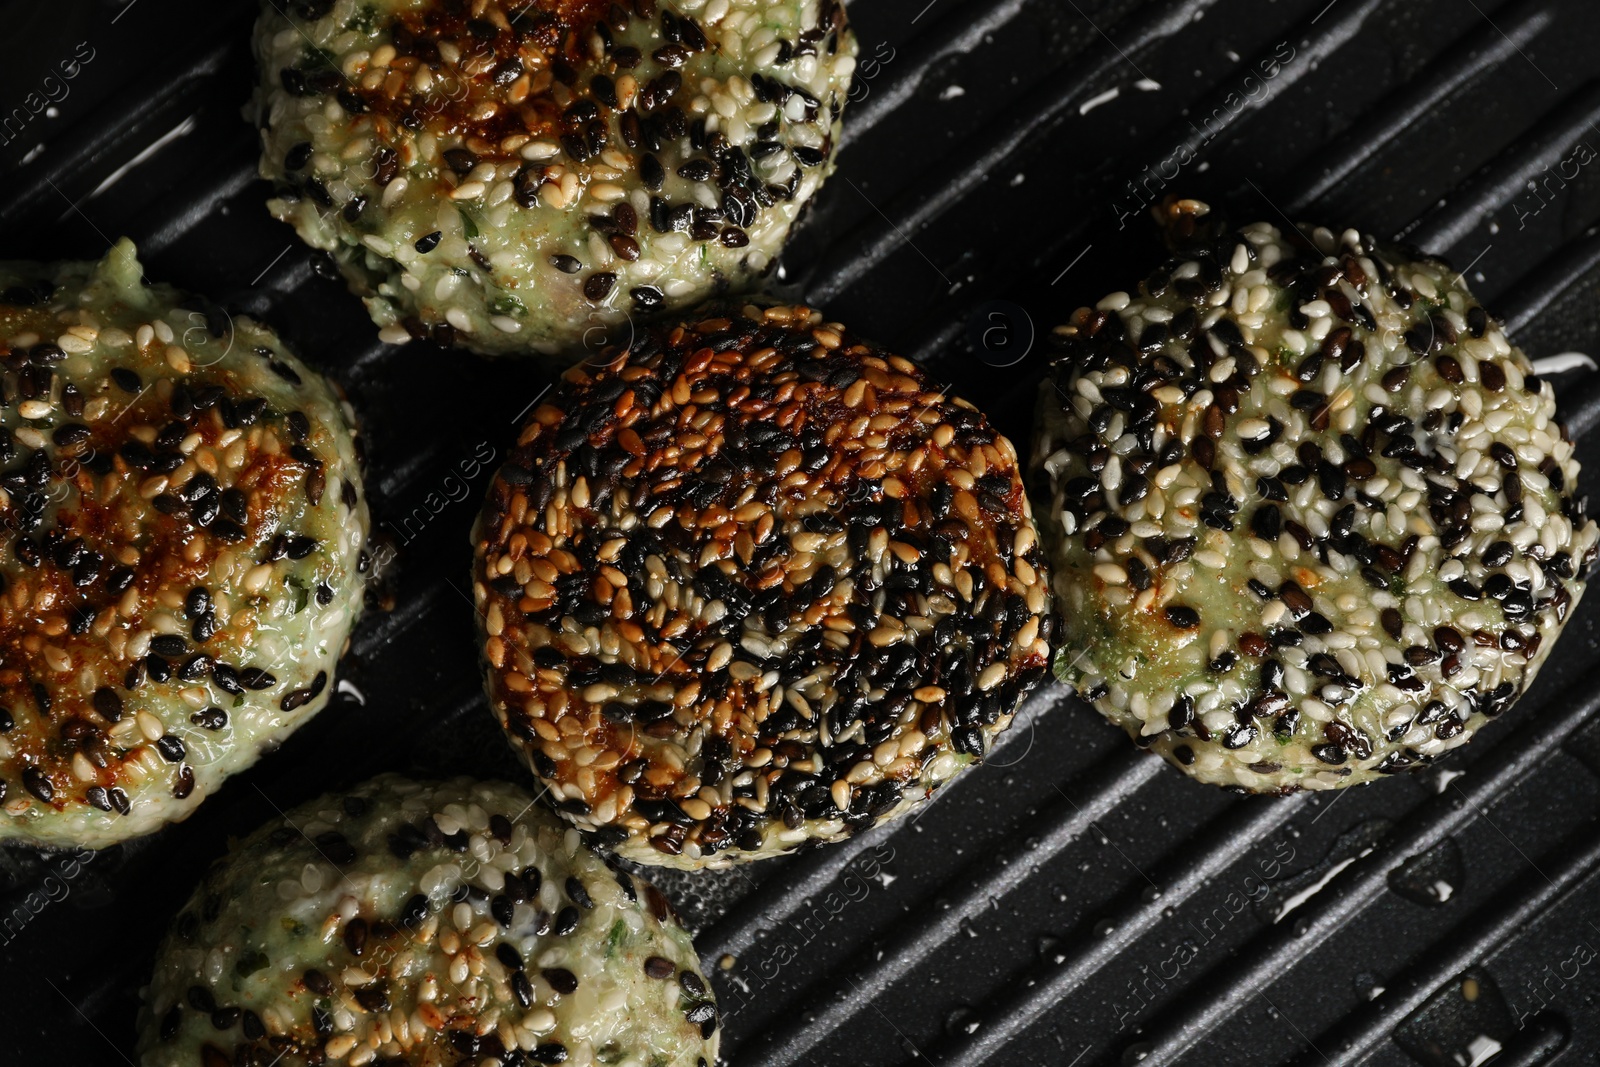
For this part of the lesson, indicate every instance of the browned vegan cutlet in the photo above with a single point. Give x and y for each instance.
(426, 924)
(180, 526)
(509, 176)
(753, 581)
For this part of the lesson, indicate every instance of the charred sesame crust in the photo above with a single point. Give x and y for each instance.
(425, 923)
(521, 177)
(753, 583)
(181, 524)
(1311, 517)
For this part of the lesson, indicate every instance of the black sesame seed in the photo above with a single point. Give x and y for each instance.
(578, 894)
(1392, 622)
(1239, 735)
(256, 678)
(1181, 714)
(1184, 618)
(1272, 674)
(507, 954)
(212, 718)
(37, 783)
(197, 603)
(1331, 480)
(1329, 753)
(1267, 523)
(1477, 321)
(1316, 624)
(374, 998)
(169, 645)
(1498, 554)
(695, 170)
(522, 988)
(106, 701)
(199, 665)
(355, 936)
(561, 980)
(652, 173)
(414, 912)
(1296, 599)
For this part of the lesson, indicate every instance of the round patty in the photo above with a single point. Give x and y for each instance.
(1311, 515)
(427, 924)
(181, 535)
(754, 582)
(522, 177)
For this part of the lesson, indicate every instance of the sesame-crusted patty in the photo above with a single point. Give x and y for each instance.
(427, 924)
(517, 177)
(754, 582)
(181, 524)
(1310, 513)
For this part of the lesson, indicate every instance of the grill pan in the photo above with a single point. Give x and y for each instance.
(1072, 901)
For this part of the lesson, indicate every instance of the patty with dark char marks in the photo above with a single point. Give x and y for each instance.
(753, 582)
(182, 528)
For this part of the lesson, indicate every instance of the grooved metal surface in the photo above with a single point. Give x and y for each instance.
(1073, 901)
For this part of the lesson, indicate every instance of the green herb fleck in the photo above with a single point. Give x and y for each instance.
(506, 304)
(364, 20)
(302, 593)
(1065, 666)
(250, 962)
